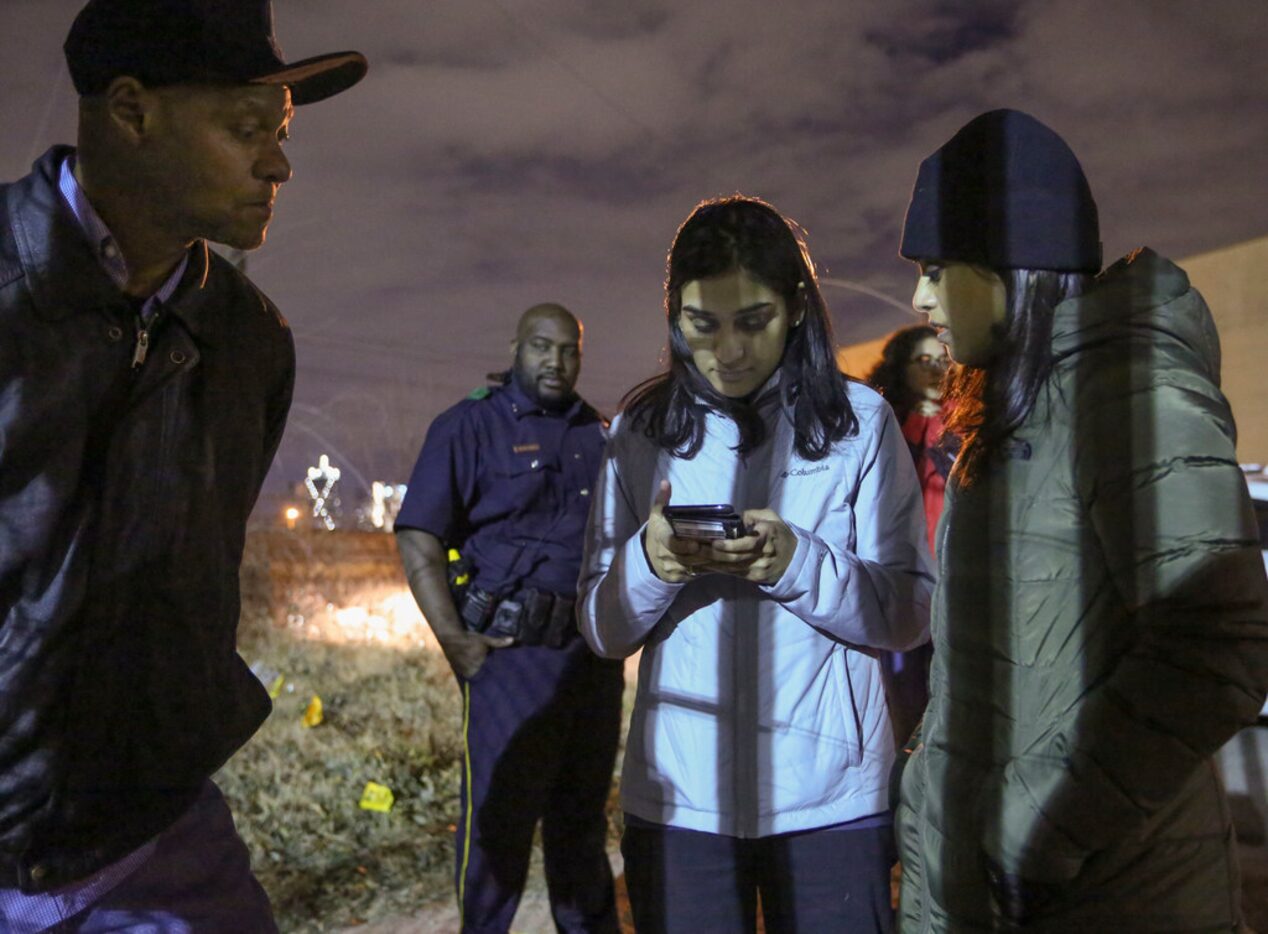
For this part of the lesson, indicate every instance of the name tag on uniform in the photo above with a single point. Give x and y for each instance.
(525, 448)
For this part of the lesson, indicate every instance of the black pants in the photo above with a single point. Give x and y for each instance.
(541, 727)
(812, 882)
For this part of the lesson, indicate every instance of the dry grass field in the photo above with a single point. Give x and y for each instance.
(330, 613)
(390, 717)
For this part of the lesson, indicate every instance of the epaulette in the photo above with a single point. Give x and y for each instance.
(480, 392)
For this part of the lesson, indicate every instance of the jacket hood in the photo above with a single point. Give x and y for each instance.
(1143, 296)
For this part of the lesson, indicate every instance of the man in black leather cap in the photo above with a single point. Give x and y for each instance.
(144, 385)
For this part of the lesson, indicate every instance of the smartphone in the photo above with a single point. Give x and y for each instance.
(705, 522)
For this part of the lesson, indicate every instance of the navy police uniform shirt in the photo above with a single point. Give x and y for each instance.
(509, 484)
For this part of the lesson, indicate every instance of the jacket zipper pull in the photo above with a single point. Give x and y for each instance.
(142, 344)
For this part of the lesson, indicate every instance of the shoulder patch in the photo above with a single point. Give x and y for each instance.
(480, 392)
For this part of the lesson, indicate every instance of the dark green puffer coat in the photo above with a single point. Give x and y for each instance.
(1099, 632)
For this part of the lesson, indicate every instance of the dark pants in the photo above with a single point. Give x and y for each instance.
(811, 882)
(541, 728)
(197, 881)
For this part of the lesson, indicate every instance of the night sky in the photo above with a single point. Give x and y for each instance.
(508, 152)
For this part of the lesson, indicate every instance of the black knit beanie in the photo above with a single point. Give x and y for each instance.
(1005, 192)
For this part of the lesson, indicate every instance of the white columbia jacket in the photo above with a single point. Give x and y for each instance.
(760, 709)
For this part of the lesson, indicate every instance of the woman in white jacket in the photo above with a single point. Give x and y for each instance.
(760, 746)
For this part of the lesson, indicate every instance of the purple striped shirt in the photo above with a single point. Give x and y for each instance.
(29, 914)
(103, 242)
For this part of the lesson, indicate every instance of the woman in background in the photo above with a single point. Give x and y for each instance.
(909, 376)
(760, 745)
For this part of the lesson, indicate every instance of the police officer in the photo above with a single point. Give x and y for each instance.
(505, 478)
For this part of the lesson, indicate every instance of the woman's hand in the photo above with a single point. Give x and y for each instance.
(761, 556)
(672, 559)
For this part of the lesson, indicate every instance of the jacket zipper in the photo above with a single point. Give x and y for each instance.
(142, 348)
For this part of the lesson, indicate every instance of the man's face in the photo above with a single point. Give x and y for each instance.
(548, 359)
(215, 161)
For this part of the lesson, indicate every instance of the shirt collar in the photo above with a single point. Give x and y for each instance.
(103, 242)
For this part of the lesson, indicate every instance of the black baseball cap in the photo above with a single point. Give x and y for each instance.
(164, 42)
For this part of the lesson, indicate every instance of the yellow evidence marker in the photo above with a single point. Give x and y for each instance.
(313, 714)
(377, 797)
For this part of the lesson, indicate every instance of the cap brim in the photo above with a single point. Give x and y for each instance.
(315, 79)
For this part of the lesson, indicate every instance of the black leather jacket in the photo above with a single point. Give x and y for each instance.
(124, 495)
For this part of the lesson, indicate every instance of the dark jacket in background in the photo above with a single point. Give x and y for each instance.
(123, 505)
(1100, 630)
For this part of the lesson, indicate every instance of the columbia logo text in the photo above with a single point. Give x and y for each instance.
(804, 471)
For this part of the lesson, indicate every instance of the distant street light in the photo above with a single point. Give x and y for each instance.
(328, 474)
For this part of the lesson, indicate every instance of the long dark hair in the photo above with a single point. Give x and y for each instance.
(889, 376)
(721, 236)
(991, 402)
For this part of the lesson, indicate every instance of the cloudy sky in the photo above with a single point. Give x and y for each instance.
(506, 152)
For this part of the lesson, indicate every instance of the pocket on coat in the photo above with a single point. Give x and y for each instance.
(847, 712)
